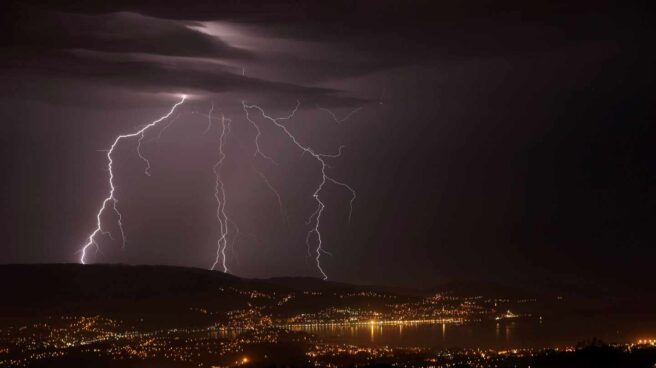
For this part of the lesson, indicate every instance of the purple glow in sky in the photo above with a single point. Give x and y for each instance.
(483, 141)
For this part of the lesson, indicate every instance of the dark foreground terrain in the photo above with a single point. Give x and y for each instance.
(155, 316)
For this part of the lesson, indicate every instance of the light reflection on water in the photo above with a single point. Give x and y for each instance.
(521, 333)
(225, 334)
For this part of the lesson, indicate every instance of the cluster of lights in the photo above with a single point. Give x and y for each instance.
(57, 337)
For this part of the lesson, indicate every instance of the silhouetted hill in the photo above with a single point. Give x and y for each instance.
(156, 291)
(165, 294)
(482, 288)
(588, 297)
(120, 289)
(309, 284)
(316, 284)
(180, 295)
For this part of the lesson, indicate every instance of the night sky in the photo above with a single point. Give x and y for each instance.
(508, 141)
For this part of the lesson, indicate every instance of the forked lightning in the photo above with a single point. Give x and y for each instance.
(111, 199)
(315, 217)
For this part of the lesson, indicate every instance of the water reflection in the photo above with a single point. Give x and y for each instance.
(224, 333)
(490, 334)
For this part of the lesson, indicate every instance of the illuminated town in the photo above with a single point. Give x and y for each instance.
(272, 328)
(74, 339)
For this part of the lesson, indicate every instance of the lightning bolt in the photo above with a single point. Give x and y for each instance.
(165, 127)
(315, 218)
(334, 116)
(223, 242)
(275, 193)
(258, 134)
(220, 197)
(209, 120)
(111, 199)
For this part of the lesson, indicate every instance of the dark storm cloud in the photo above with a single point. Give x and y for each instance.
(117, 32)
(365, 37)
(129, 51)
(375, 36)
(154, 75)
(413, 29)
(204, 9)
(407, 12)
